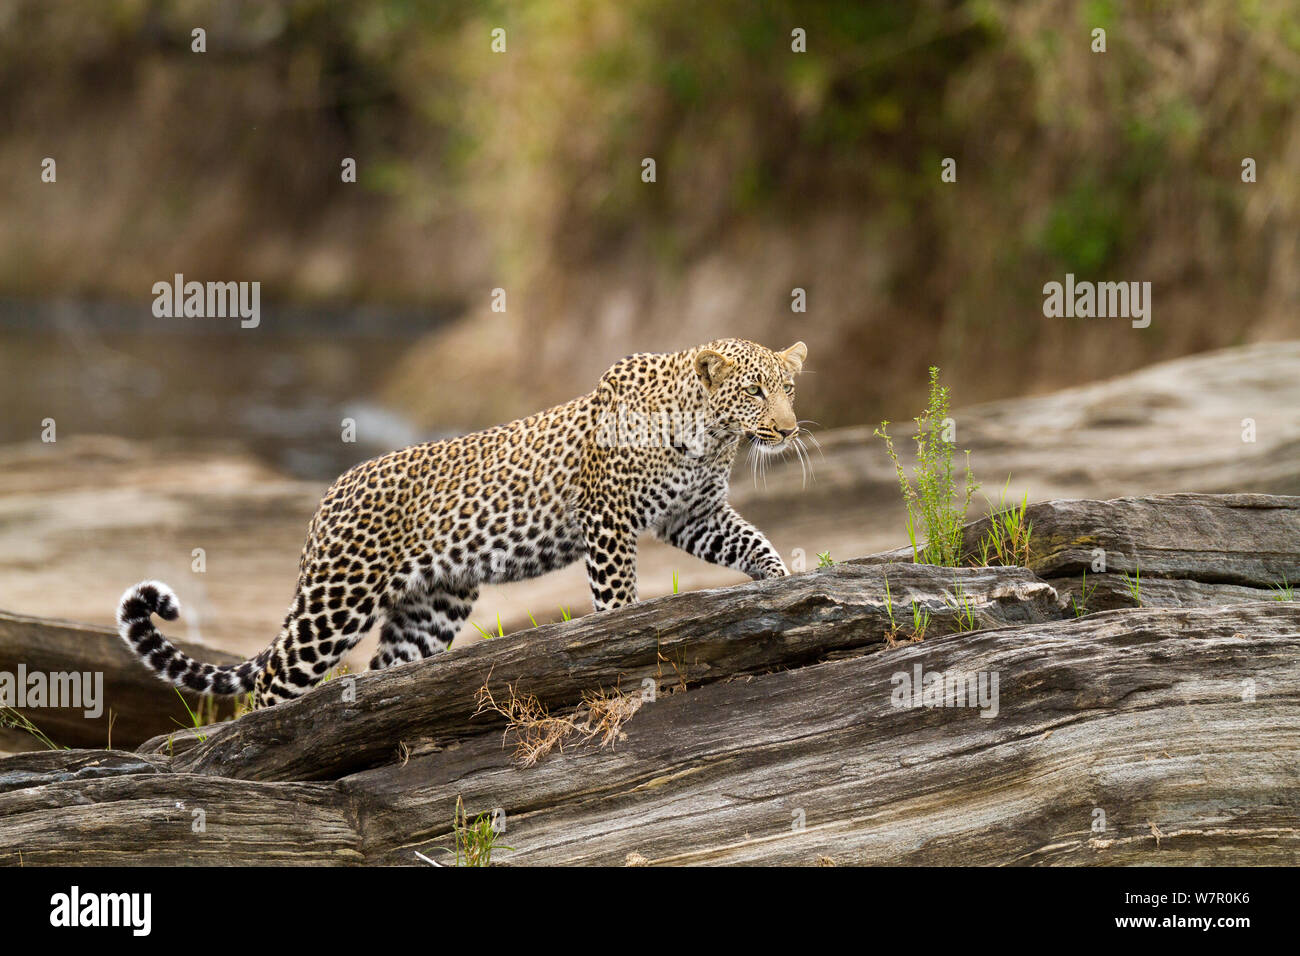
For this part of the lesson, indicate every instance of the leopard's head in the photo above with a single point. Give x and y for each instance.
(750, 390)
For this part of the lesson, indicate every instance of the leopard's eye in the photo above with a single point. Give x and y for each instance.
(789, 388)
(753, 390)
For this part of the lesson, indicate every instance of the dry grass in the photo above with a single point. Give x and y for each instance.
(536, 732)
(601, 717)
(679, 668)
(606, 715)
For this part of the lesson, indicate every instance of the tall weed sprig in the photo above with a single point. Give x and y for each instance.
(932, 500)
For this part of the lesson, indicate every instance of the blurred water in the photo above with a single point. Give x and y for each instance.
(281, 390)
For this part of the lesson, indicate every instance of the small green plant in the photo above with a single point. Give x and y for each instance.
(1134, 583)
(209, 709)
(196, 720)
(565, 613)
(1081, 601)
(488, 635)
(964, 607)
(920, 622)
(476, 840)
(824, 559)
(676, 583)
(933, 502)
(530, 616)
(16, 720)
(891, 633)
(1283, 591)
(1007, 541)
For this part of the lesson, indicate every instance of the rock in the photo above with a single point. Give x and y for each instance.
(139, 705)
(38, 768)
(1243, 540)
(704, 636)
(780, 730)
(1138, 714)
(83, 519)
(1184, 550)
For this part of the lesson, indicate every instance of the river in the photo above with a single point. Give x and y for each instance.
(281, 390)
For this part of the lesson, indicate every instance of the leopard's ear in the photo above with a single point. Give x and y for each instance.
(792, 358)
(712, 368)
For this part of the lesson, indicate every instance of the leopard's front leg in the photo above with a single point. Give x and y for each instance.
(611, 559)
(723, 537)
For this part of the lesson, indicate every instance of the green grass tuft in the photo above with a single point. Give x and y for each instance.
(1006, 542)
(476, 840)
(932, 499)
(196, 720)
(964, 606)
(488, 635)
(1134, 583)
(1080, 601)
(15, 720)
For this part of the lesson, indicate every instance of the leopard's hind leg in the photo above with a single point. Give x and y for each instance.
(421, 624)
(329, 616)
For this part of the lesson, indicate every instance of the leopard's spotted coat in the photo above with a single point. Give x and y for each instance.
(409, 537)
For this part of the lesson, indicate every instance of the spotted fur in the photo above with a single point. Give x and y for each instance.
(408, 538)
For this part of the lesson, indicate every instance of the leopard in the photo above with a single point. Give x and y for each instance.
(407, 539)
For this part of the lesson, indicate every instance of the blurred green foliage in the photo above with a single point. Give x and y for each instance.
(478, 168)
(710, 89)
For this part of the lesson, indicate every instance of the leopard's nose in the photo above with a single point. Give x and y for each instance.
(786, 432)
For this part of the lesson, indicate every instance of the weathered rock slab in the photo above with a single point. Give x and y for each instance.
(137, 703)
(1184, 550)
(1181, 726)
(701, 636)
(781, 727)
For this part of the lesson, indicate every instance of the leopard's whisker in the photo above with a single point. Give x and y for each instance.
(811, 437)
(807, 459)
(802, 455)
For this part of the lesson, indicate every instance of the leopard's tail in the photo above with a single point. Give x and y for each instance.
(135, 625)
